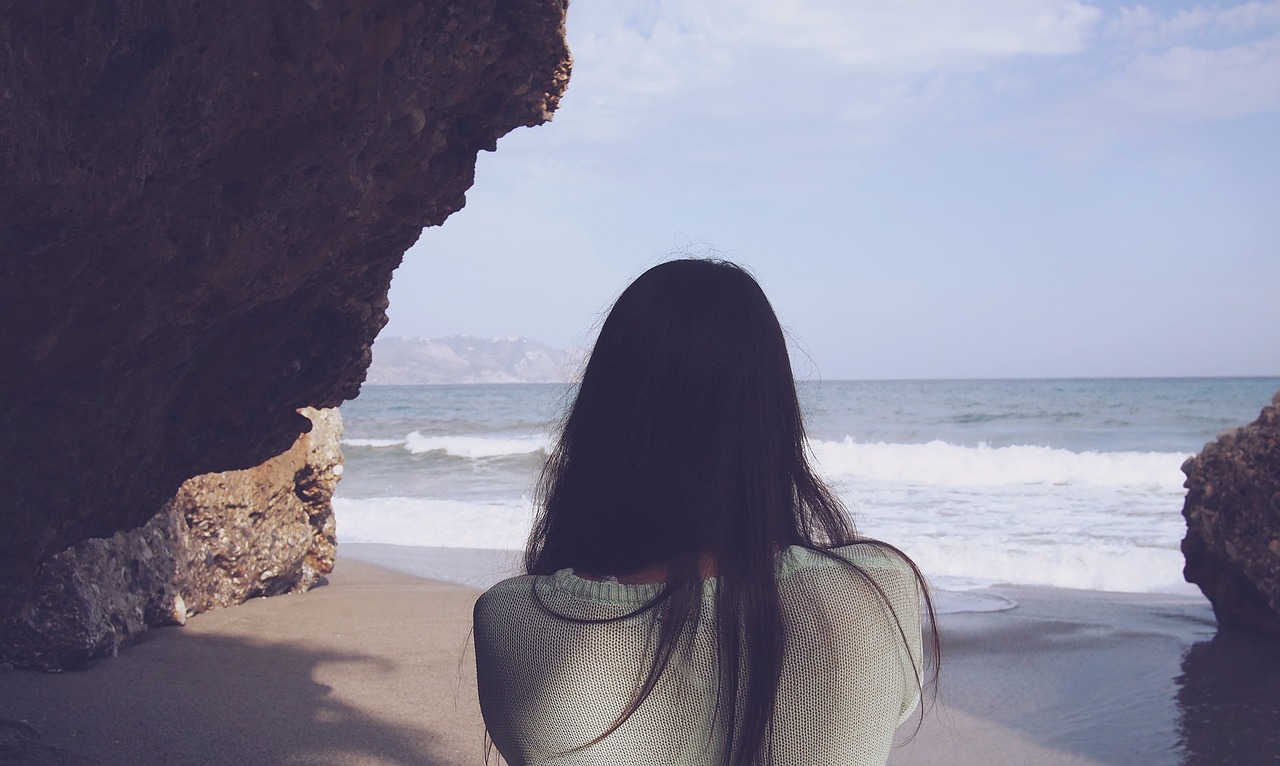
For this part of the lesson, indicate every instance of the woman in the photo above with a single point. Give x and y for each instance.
(695, 594)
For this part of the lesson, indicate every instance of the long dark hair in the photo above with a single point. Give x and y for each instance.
(685, 443)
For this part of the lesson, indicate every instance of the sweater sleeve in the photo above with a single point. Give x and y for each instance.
(853, 659)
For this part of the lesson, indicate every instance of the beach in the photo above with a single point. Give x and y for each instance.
(376, 668)
(1084, 677)
(371, 668)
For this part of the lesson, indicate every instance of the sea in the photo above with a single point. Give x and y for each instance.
(1072, 483)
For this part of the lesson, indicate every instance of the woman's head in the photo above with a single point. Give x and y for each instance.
(685, 437)
(684, 442)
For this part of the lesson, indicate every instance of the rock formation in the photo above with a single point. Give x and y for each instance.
(202, 205)
(1233, 523)
(222, 539)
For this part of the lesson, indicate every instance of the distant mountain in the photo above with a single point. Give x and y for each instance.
(466, 359)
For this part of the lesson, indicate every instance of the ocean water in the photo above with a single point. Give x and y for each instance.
(1069, 483)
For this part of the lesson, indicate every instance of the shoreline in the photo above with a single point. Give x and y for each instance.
(375, 668)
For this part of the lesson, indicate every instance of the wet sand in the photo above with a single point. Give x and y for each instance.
(1080, 677)
(376, 668)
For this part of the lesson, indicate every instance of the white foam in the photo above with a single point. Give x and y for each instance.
(1088, 565)
(957, 601)
(957, 560)
(939, 463)
(380, 443)
(970, 516)
(424, 522)
(474, 446)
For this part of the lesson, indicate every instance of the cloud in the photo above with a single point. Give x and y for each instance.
(917, 35)
(705, 84)
(643, 49)
(1188, 84)
(1147, 27)
(648, 65)
(1156, 70)
(1195, 65)
(1148, 71)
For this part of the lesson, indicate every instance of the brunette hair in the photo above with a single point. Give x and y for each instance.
(686, 441)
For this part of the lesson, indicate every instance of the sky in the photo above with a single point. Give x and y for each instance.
(925, 189)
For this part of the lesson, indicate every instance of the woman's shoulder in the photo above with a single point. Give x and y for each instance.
(562, 593)
(868, 556)
(849, 578)
(500, 593)
(517, 584)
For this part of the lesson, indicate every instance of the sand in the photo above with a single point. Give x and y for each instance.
(369, 669)
(375, 668)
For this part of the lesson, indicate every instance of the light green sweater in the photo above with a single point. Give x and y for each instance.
(548, 684)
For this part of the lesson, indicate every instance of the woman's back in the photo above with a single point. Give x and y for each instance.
(555, 672)
(684, 453)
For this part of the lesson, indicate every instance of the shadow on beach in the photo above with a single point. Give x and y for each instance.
(254, 685)
(1229, 698)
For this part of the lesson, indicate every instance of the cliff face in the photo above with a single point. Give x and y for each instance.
(203, 203)
(1232, 509)
(222, 539)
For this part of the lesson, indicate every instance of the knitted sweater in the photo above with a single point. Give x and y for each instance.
(548, 684)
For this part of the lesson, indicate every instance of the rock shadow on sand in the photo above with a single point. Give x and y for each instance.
(198, 699)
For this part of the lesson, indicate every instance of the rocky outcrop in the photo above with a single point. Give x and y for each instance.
(222, 539)
(203, 203)
(1232, 510)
